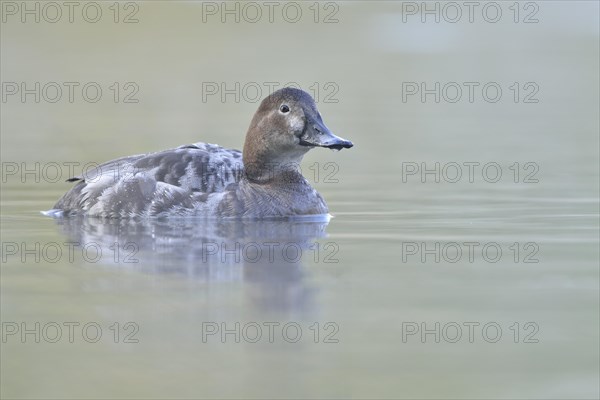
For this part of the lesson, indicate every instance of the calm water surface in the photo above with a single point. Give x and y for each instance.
(502, 276)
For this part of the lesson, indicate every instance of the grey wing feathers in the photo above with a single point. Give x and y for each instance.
(152, 183)
(109, 167)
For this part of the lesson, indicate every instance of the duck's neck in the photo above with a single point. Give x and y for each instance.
(273, 172)
(263, 164)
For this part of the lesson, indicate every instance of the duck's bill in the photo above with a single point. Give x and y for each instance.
(318, 135)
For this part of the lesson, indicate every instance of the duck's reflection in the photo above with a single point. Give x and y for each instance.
(267, 256)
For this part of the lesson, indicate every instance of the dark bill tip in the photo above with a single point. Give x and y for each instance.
(344, 144)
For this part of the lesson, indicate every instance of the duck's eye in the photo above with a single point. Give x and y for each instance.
(284, 109)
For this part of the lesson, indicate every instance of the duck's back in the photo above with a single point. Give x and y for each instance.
(186, 180)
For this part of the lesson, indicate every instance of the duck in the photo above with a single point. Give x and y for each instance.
(261, 182)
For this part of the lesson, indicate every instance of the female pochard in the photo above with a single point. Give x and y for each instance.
(207, 180)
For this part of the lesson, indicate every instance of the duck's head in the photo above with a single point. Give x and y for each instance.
(286, 125)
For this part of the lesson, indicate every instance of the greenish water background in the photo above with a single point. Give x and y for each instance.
(371, 292)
